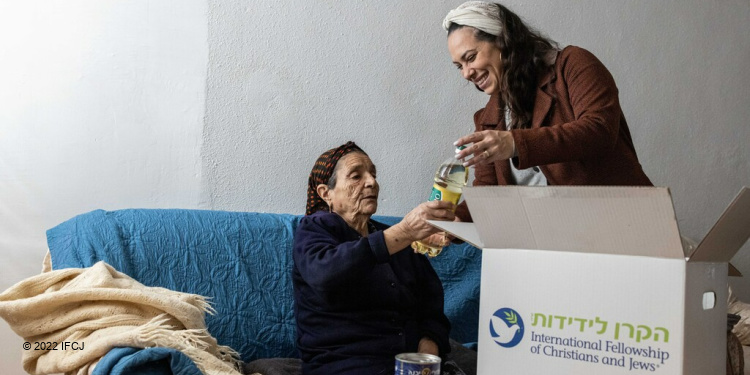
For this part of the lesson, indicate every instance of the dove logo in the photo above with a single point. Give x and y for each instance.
(506, 327)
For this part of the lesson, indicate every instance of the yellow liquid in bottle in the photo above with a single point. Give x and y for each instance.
(449, 182)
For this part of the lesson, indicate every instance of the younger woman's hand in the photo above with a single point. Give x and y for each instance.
(488, 146)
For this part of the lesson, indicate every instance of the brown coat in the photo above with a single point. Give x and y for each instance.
(578, 133)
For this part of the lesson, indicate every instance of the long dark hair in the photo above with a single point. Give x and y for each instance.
(523, 52)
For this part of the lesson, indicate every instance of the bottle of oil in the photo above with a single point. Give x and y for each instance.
(450, 179)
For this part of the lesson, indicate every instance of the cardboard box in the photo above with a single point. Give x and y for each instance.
(594, 280)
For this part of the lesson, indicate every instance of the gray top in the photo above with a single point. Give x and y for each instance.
(530, 176)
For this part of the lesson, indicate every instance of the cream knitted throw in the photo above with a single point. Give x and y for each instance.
(100, 308)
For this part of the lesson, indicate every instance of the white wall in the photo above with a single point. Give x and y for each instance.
(101, 106)
(287, 82)
(226, 104)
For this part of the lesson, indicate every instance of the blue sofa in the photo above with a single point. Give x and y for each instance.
(242, 261)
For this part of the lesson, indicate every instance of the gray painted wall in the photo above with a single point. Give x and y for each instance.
(226, 104)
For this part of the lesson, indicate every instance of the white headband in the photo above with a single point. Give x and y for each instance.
(477, 14)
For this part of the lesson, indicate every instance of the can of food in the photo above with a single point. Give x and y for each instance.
(417, 364)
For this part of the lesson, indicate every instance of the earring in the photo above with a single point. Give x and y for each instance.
(329, 206)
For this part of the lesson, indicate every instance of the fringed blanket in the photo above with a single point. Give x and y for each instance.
(85, 312)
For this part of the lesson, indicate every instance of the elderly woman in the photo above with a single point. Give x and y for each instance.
(553, 116)
(361, 295)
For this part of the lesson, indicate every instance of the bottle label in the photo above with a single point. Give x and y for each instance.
(440, 193)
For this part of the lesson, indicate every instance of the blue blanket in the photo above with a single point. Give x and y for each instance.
(149, 361)
(241, 260)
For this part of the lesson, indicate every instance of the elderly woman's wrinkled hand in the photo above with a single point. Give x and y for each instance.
(416, 224)
(428, 346)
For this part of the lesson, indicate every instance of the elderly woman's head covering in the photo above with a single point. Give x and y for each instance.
(322, 172)
(477, 14)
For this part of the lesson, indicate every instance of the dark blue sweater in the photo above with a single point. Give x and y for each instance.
(357, 306)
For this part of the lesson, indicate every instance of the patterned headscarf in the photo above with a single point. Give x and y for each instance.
(477, 14)
(321, 173)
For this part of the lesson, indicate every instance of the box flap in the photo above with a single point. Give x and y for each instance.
(464, 231)
(728, 234)
(590, 219)
(733, 271)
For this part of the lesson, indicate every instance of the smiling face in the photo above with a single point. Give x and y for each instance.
(478, 60)
(355, 195)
